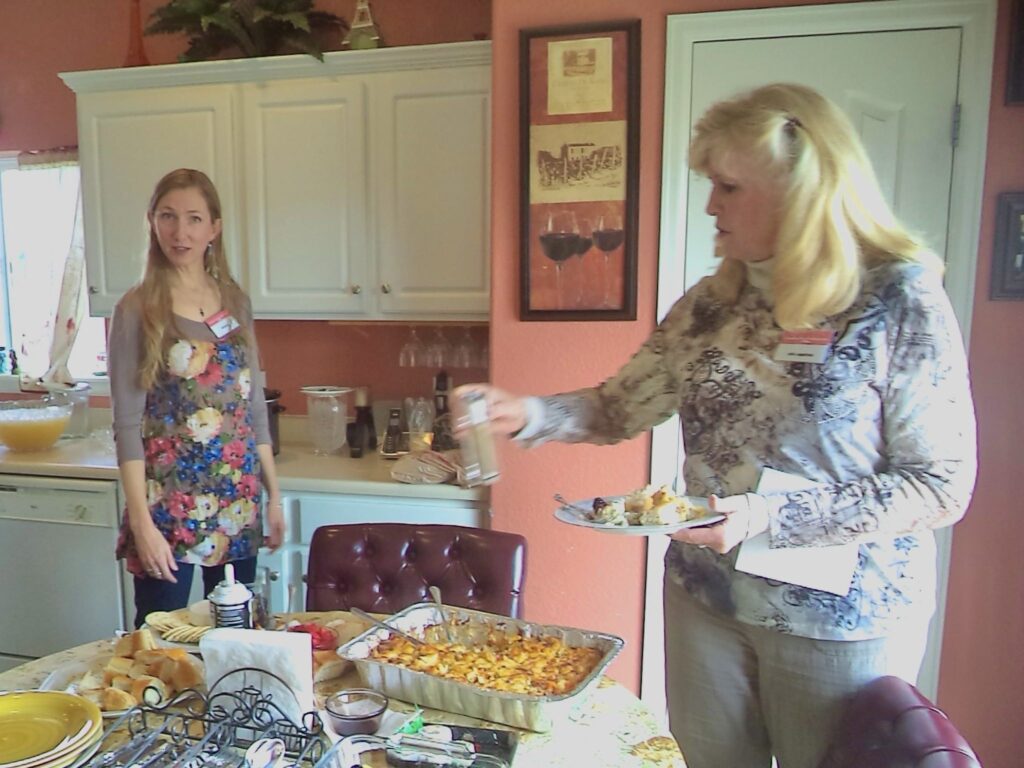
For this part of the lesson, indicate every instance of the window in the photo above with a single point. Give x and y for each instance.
(38, 208)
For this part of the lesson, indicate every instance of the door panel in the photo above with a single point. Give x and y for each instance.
(899, 89)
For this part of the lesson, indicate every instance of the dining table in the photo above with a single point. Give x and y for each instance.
(608, 726)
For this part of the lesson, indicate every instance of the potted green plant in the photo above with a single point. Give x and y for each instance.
(255, 27)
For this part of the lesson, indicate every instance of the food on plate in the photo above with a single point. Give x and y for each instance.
(647, 506)
(539, 666)
(173, 628)
(323, 638)
(326, 637)
(139, 672)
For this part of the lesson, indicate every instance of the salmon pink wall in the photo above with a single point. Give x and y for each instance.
(597, 582)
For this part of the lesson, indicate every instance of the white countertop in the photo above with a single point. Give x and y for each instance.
(298, 469)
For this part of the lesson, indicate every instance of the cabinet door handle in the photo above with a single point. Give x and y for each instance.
(93, 290)
(356, 289)
(385, 287)
(273, 575)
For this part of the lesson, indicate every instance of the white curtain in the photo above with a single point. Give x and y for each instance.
(72, 305)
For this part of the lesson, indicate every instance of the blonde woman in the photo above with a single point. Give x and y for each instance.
(875, 415)
(190, 421)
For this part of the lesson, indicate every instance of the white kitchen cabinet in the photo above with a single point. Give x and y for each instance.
(127, 141)
(357, 188)
(431, 158)
(306, 205)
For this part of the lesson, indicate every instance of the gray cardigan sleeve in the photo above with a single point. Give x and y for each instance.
(127, 398)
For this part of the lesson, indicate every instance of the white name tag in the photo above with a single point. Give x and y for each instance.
(222, 323)
(804, 346)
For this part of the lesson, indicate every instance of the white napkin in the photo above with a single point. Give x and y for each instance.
(828, 568)
(288, 655)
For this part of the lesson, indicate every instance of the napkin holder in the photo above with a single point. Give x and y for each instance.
(279, 664)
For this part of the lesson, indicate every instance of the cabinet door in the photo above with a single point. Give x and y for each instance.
(128, 141)
(431, 152)
(305, 170)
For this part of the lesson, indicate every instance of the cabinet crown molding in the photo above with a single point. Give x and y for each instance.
(335, 63)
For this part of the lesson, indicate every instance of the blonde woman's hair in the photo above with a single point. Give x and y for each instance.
(154, 291)
(834, 220)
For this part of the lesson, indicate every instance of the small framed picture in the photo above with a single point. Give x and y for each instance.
(580, 123)
(1015, 77)
(1008, 260)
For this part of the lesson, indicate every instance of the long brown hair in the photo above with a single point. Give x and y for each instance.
(154, 291)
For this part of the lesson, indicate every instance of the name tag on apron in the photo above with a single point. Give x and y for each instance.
(810, 346)
(222, 323)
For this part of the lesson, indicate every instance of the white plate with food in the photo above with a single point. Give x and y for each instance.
(135, 672)
(647, 512)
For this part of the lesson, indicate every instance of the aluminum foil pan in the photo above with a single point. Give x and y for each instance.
(534, 713)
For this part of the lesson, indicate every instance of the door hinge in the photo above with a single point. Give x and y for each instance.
(955, 131)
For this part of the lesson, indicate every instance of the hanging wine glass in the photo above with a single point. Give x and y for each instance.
(608, 236)
(464, 351)
(438, 353)
(559, 239)
(411, 354)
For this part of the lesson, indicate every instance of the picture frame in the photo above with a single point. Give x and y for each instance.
(579, 162)
(1015, 75)
(1008, 258)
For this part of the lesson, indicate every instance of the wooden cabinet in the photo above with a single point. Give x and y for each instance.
(357, 188)
(127, 141)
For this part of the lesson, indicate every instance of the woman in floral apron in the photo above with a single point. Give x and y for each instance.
(190, 421)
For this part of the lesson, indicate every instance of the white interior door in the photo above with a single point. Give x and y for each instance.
(899, 89)
(901, 70)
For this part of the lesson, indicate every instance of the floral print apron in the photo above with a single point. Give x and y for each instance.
(203, 474)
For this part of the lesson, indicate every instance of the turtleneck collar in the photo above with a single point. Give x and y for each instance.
(759, 274)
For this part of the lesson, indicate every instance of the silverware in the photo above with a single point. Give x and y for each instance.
(367, 617)
(435, 592)
(571, 505)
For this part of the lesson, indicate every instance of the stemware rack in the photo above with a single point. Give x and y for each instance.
(208, 730)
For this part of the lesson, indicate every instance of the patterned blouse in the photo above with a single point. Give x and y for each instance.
(884, 427)
(198, 441)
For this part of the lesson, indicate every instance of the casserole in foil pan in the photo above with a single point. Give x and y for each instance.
(534, 713)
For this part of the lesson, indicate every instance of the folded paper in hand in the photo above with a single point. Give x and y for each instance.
(828, 568)
(287, 656)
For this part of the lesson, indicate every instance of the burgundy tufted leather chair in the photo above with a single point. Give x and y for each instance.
(385, 567)
(891, 724)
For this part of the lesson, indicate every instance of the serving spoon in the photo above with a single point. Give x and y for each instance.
(383, 625)
(435, 592)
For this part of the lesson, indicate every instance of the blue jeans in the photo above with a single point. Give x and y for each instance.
(159, 595)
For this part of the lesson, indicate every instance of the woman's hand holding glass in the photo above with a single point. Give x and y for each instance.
(507, 412)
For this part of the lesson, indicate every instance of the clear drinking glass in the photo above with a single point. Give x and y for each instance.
(411, 353)
(464, 351)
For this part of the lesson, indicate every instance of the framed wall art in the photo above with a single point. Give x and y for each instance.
(1015, 75)
(1008, 259)
(579, 148)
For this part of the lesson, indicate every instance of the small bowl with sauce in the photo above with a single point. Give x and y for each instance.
(356, 710)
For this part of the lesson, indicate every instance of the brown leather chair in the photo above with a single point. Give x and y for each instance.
(385, 567)
(891, 724)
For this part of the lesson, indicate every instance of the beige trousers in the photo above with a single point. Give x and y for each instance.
(739, 694)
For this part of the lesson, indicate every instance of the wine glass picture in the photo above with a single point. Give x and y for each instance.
(608, 237)
(560, 241)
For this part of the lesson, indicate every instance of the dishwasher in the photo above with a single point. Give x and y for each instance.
(60, 585)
